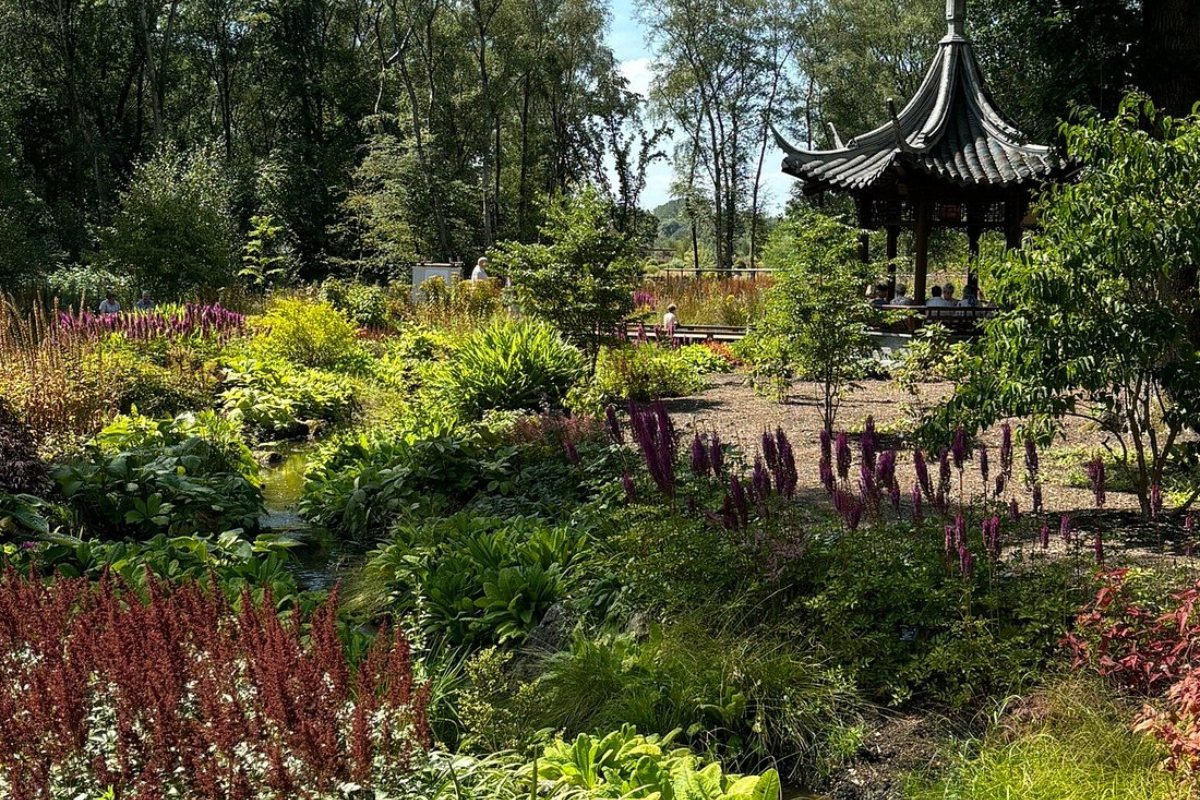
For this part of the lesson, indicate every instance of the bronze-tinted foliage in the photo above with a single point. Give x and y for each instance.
(202, 699)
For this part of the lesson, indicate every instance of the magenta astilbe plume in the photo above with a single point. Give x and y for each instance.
(700, 464)
(1156, 501)
(917, 511)
(1098, 548)
(716, 456)
(866, 484)
(1014, 510)
(983, 466)
(1037, 498)
(1045, 536)
(741, 503)
(654, 440)
(665, 425)
(869, 443)
(769, 451)
(630, 489)
(922, 470)
(960, 529)
(885, 476)
(1096, 479)
(991, 538)
(943, 472)
(843, 456)
(939, 501)
(949, 540)
(786, 476)
(966, 561)
(959, 447)
(826, 445)
(614, 425)
(760, 479)
(825, 470)
(1064, 528)
(1031, 459)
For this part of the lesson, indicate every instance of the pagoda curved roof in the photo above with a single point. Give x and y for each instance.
(950, 132)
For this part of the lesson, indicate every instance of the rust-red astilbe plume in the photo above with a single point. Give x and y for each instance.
(181, 694)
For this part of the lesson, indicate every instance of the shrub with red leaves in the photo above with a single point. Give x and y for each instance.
(182, 695)
(1154, 654)
(21, 471)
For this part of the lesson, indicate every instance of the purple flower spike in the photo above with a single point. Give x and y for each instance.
(869, 443)
(826, 445)
(716, 456)
(630, 489)
(950, 540)
(826, 472)
(769, 451)
(1031, 459)
(991, 538)
(866, 484)
(1037, 498)
(1096, 479)
(843, 456)
(983, 466)
(786, 477)
(740, 502)
(959, 448)
(1064, 528)
(922, 470)
(966, 561)
(1045, 536)
(918, 512)
(760, 479)
(699, 463)
(614, 425)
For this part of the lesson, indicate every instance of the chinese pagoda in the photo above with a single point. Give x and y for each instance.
(948, 159)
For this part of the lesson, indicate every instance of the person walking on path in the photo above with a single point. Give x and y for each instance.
(479, 274)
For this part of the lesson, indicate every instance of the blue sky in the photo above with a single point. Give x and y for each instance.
(627, 38)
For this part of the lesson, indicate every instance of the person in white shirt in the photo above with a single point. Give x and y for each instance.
(670, 321)
(902, 298)
(948, 294)
(936, 300)
(480, 272)
(110, 305)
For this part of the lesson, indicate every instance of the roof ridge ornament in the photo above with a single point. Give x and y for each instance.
(956, 17)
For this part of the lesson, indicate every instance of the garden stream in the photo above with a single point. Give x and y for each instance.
(321, 561)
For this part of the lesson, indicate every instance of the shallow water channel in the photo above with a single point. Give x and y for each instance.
(321, 560)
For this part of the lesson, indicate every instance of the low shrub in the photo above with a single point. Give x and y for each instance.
(747, 698)
(21, 470)
(310, 333)
(644, 372)
(358, 484)
(509, 365)
(472, 580)
(277, 399)
(708, 357)
(105, 695)
(178, 477)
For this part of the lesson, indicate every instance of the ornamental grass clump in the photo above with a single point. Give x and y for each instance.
(181, 694)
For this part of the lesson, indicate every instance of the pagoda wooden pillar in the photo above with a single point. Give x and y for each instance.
(864, 247)
(1014, 212)
(973, 234)
(921, 245)
(893, 239)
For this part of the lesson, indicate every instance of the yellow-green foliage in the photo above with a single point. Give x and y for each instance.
(309, 332)
(1078, 747)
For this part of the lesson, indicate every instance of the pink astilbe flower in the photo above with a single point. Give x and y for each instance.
(614, 425)
(869, 443)
(922, 470)
(991, 537)
(1006, 457)
(716, 456)
(917, 510)
(1096, 479)
(943, 487)
(1031, 460)
(1044, 536)
(966, 561)
(842, 450)
(1064, 528)
(983, 467)
(700, 464)
(959, 448)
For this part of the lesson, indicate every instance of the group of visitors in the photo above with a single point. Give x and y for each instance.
(939, 296)
(109, 304)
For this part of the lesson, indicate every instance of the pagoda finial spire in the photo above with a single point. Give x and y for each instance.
(956, 17)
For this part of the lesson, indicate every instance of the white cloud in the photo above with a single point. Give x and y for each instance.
(638, 72)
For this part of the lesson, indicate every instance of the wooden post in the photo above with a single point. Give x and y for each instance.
(864, 247)
(893, 240)
(973, 233)
(921, 243)
(1014, 210)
